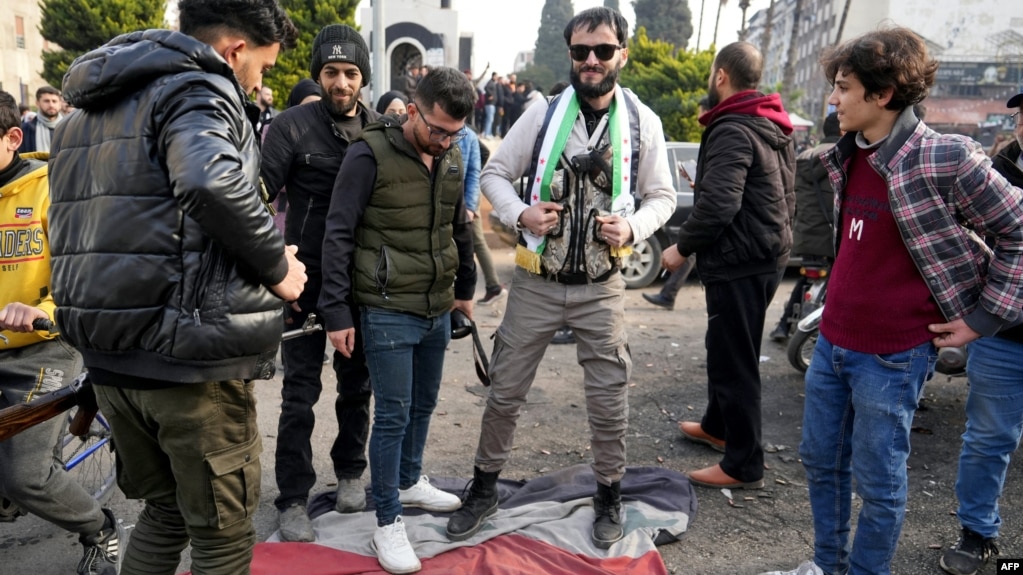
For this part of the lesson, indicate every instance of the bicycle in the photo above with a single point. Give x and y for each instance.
(87, 454)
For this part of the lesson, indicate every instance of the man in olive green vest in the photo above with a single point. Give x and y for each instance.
(399, 242)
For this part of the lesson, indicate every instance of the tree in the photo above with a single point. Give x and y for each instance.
(309, 16)
(788, 77)
(667, 20)
(670, 81)
(550, 51)
(78, 26)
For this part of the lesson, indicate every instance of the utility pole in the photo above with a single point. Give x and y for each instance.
(717, 20)
(377, 88)
(699, 29)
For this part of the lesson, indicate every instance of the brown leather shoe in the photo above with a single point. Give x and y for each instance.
(693, 431)
(713, 476)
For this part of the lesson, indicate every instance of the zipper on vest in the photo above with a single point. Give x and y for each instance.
(579, 239)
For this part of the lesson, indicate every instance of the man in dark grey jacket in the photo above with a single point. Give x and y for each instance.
(302, 152)
(740, 230)
(169, 273)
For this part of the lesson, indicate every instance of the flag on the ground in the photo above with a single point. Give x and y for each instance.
(542, 528)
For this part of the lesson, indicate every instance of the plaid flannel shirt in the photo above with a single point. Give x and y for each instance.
(945, 196)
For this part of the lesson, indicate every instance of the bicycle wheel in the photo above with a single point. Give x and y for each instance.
(90, 460)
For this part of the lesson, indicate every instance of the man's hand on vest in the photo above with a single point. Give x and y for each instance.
(614, 230)
(540, 218)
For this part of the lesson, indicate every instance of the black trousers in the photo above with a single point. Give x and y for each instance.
(303, 363)
(735, 326)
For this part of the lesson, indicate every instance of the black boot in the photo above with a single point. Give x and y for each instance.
(607, 515)
(480, 504)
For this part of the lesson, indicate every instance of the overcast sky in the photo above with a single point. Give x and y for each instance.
(503, 29)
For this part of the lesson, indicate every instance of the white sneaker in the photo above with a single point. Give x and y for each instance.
(428, 497)
(394, 552)
(805, 568)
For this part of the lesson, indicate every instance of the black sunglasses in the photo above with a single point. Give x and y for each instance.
(580, 52)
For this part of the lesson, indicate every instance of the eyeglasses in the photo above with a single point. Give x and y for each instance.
(437, 135)
(580, 52)
(1016, 119)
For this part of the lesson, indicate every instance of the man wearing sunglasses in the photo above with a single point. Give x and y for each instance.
(592, 155)
(398, 244)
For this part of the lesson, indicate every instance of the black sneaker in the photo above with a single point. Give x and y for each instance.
(104, 551)
(493, 295)
(969, 554)
(780, 333)
(480, 504)
(607, 515)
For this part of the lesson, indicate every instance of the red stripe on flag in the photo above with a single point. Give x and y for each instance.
(503, 555)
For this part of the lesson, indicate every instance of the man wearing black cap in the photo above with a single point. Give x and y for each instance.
(303, 150)
(994, 415)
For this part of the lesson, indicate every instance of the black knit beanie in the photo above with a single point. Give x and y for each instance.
(340, 43)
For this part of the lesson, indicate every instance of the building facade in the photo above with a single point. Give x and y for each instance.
(21, 49)
(416, 33)
(976, 41)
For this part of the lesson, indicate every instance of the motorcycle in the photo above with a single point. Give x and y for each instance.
(807, 316)
(802, 342)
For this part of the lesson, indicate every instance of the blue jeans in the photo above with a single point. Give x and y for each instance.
(856, 421)
(405, 356)
(994, 420)
(488, 123)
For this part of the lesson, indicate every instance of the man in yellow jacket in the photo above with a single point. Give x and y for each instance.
(33, 362)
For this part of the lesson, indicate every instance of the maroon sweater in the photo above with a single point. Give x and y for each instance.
(877, 301)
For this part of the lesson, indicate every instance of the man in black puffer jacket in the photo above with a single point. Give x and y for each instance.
(740, 231)
(169, 273)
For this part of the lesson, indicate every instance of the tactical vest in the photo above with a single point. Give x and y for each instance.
(582, 185)
(405, 254)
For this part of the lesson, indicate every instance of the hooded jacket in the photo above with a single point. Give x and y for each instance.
(744, 195)
(24, 251)
(162, 246)
(813, 230)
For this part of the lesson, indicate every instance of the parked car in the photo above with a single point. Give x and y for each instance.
(644, 265)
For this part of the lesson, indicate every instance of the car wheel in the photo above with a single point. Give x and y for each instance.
(643, 265)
